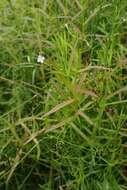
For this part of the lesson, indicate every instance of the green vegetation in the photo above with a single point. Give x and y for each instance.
(63, 122)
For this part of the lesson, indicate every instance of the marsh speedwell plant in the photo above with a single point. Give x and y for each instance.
(63, 95)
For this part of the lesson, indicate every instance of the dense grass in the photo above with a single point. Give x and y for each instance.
(63, 123)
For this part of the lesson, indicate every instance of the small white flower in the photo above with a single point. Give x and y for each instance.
(123, 19)
(40, 59)
(66, 25)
